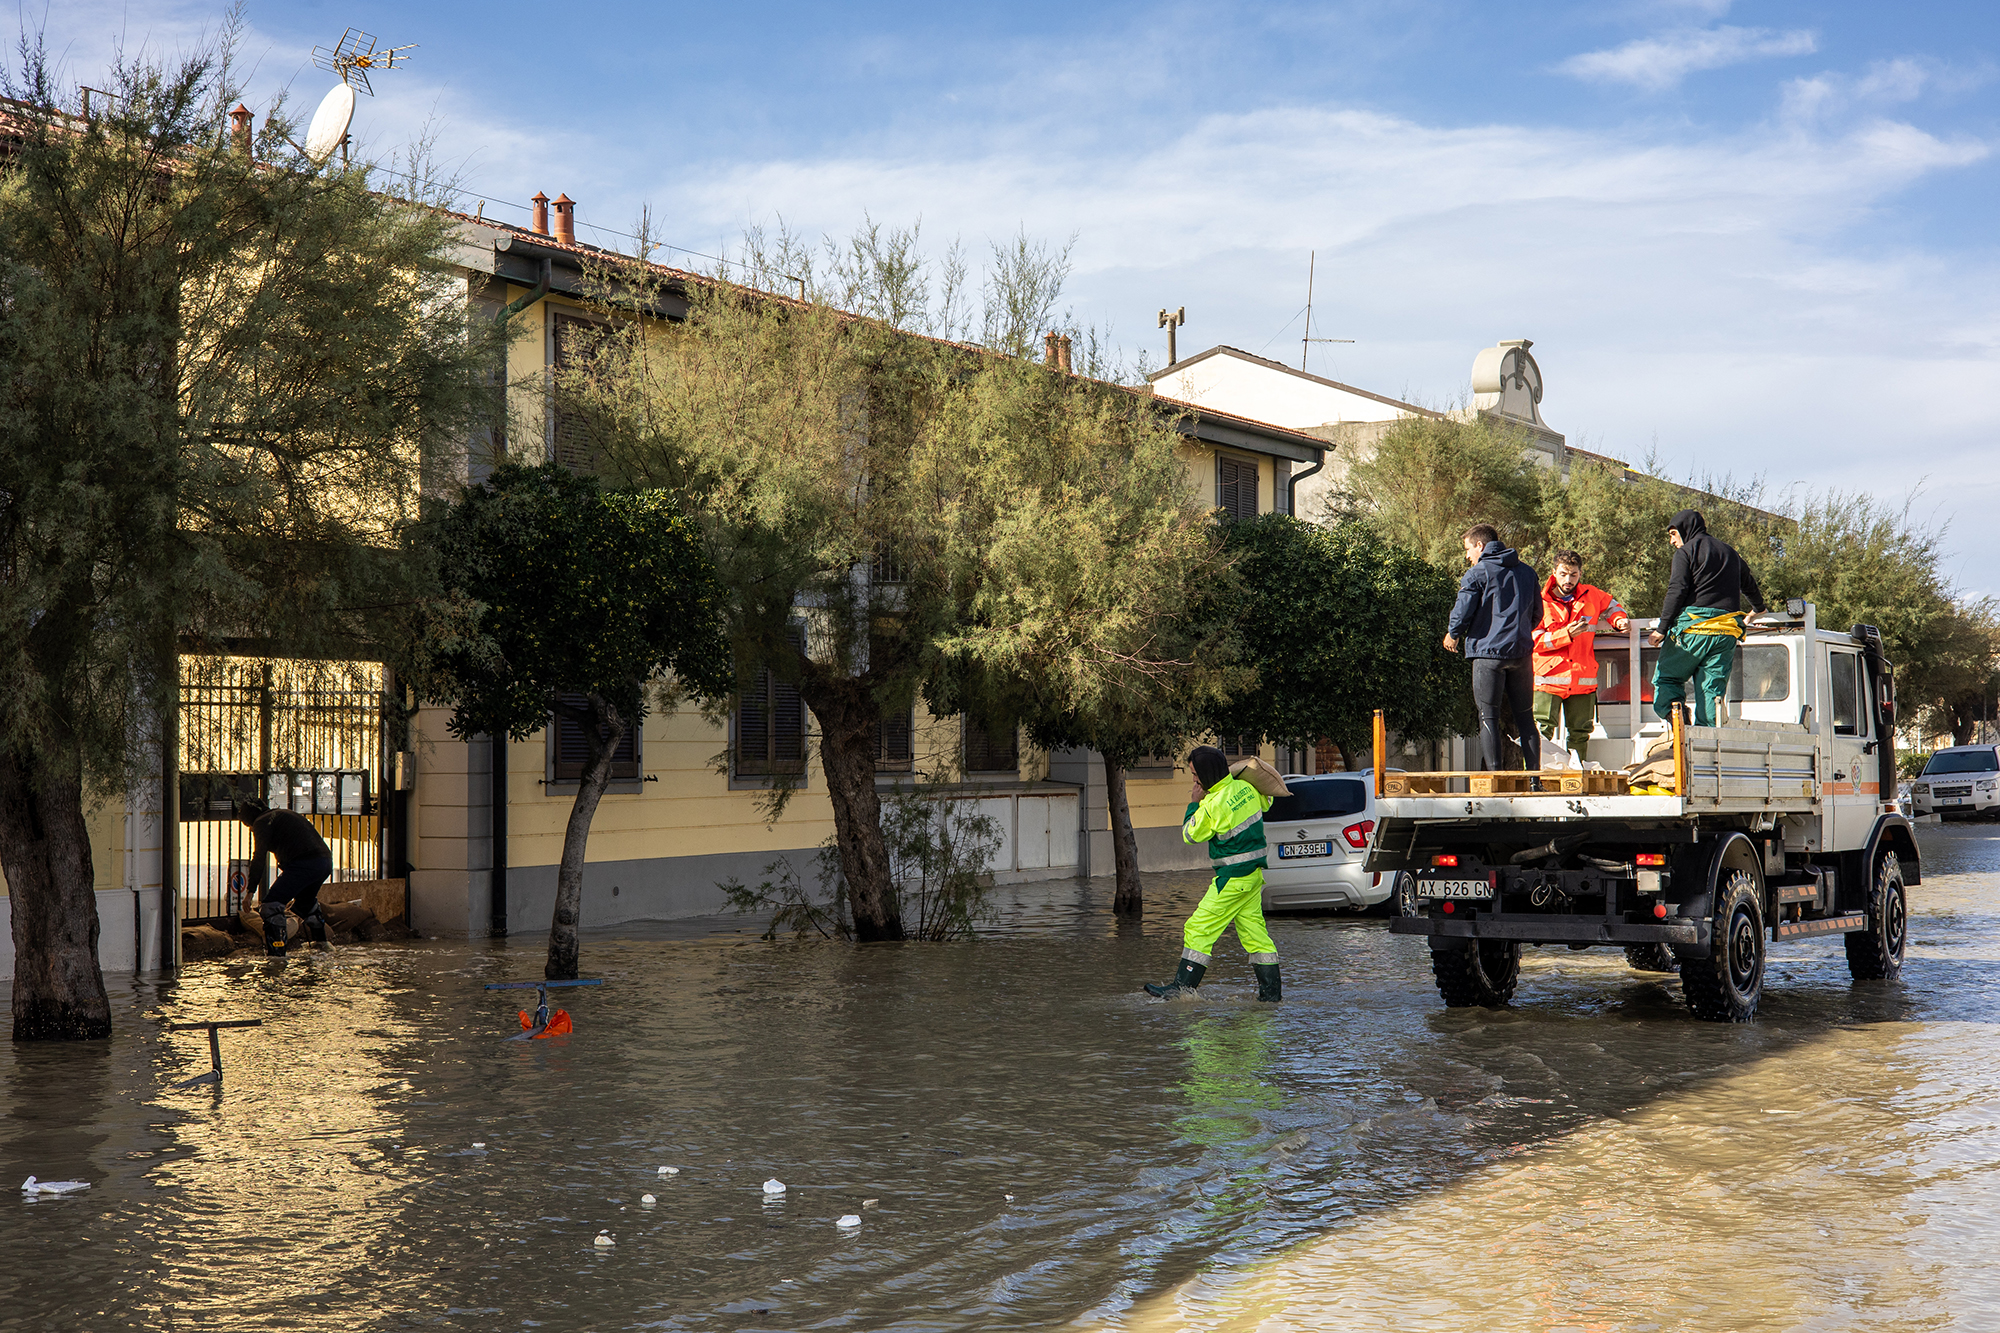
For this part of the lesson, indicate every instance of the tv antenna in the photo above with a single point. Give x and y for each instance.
(1312, 262)
(355, 54)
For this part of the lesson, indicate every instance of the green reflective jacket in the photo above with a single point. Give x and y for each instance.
(1230, 819)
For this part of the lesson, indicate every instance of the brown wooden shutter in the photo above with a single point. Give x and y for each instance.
(895, 742)
(991, 745)
(575, 346)
(1236, 487)
(573, 748)
(771, 724)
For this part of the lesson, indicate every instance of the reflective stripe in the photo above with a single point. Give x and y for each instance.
(1263, 958)
(1588, 682)
(1551, 680)
(1239, 858)
(1196, 956)
(1227, 834)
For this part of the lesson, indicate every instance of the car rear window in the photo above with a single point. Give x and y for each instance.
(1320, 798)
(1981, 760)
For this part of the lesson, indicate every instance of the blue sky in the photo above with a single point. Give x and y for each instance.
(1752, 238)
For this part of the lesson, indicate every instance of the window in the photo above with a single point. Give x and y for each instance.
(1982, 760)
(1236, 487)
(1846, 669)
(576, 346)
(1319, 798)
(570, 748)
(1240, 747)
(771, 724)
(990, 745)
(887, 566)
(895, 749)
(1763, 674)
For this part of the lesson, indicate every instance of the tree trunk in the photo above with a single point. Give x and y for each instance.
(563, 945)
(1129, 900)
(848, 720)
(51, 887)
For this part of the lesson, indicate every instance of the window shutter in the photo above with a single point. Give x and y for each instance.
(572, 748)
(990, 745)
(771, 724)
(895, 749)
(1238, 747)
(574, 347)
(1236, 487)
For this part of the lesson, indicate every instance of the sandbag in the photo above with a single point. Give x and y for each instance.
(1267, 780)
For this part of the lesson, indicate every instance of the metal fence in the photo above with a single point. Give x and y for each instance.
(298, 735)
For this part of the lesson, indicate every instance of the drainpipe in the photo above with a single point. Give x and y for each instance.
(1292, 490)
(498, 796)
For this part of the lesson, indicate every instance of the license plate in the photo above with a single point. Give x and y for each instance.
(1454, 888)
(1292, 851)
(1951, 800)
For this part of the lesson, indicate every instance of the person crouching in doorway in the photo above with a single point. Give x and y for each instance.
(304, 863)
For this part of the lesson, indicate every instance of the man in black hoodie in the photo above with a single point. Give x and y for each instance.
(1499, 604)
(304, 863)
(1703, 618)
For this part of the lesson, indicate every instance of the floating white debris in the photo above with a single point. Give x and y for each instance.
(670, 1170)
(648, 1200)
(869, 1203)
(479, 1145)
(1010, 1198)
(849, 1220)
(604, 1240)
(774, 1186)
(33, 1186)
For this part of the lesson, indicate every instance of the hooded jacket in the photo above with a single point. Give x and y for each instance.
(1706, 572)
(1499, 604)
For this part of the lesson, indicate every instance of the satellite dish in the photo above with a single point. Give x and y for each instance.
(330, 122)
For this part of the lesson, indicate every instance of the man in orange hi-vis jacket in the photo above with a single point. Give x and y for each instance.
(1565, 656)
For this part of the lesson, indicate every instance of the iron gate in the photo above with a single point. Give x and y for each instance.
(300, 735)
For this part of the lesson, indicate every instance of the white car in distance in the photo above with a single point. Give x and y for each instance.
(1960, 781)
(1316, 840)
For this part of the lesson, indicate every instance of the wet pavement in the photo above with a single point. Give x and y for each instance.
(1590, 1159)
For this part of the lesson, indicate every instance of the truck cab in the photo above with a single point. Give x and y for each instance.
(1779, 823)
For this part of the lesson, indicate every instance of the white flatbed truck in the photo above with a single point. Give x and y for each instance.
(1780, 824)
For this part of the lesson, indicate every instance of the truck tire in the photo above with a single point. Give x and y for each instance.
(1876, 954)
(1480, 973)
(1725, 986)
(1651, 958)
(1405, 900)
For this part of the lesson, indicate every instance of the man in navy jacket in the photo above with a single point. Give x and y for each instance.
(1499, 604)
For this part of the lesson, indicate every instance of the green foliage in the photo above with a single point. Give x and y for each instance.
(1337, 622)
(555, 586)
(940, 849)
(1909, 763)
(1431, 478)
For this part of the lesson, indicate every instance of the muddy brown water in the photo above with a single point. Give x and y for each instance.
(1589, 1159)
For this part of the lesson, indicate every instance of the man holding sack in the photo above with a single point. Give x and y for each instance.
(1227, 812)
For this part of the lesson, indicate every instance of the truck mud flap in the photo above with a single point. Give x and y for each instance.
(1555, 930)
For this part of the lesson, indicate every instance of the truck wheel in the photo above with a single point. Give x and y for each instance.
(1405, 898)
(1876, 954)
(1725, 986)
(1479, 973)
(1652, 958)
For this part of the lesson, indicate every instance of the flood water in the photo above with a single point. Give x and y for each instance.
(1358, 1157)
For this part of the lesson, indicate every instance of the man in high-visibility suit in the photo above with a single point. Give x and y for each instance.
(1227, 813)
(1702, 618)
(1566, 654)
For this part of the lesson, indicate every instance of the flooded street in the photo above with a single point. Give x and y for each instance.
(1358, 1157)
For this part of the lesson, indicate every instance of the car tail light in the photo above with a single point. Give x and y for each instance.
(1650, 859)
(1444, 860)
(1357, 834)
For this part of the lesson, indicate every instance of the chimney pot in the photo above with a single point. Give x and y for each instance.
(239, 129)
(1062, 353)
(565, 219)
(541, 202)
(1049, 349)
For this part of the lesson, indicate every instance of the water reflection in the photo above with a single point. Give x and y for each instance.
(1590, 1157)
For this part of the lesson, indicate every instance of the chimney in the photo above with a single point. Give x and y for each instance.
(1062, 354)
(565, 219)
(239, 129)
(541, 202)
(1049, 353)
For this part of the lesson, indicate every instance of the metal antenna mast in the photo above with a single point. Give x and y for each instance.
(1305, 343)
(1170, 321)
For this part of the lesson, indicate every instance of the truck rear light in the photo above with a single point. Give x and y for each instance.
(1357, 834)
(1449, 909)
(1444, 860)
(1660, 911)
(1650, 859)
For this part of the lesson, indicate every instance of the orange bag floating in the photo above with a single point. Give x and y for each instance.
(559, 1025)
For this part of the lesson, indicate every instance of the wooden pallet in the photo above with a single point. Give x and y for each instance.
(1555, 781)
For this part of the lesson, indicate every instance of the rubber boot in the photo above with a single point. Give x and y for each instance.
(274, 929)
(314, 928)
(1268, 989)
(1185, 980)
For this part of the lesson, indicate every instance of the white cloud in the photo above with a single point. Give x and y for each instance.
(1658, 63)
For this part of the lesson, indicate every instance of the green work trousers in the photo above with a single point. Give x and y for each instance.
(1706, 659)
(1577, 715)
(1237, 902)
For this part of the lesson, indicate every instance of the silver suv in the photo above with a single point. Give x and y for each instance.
(1318, 838)
(1963, 780)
